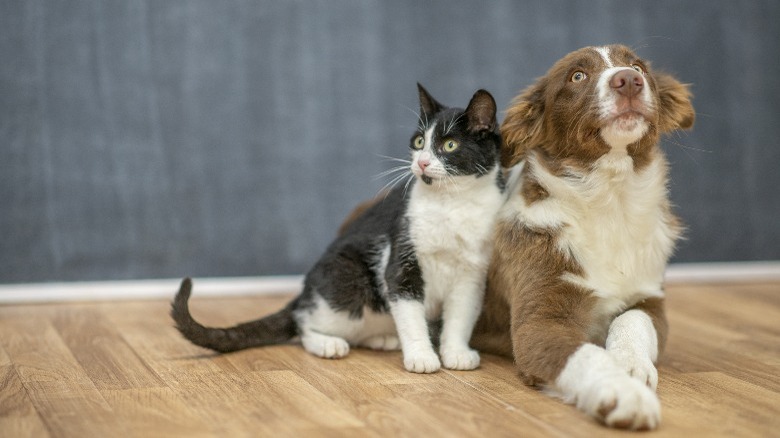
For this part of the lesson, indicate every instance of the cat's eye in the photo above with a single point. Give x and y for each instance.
(450, 145)
(578, 76)
(418, 142)
(638, 68)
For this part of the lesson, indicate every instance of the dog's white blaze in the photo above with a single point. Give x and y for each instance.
(604, 52)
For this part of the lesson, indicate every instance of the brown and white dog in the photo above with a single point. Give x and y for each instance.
(575, 289)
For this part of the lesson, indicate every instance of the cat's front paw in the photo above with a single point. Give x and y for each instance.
(460, 359)
(422, 362)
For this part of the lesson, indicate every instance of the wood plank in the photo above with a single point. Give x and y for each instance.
(157, 412)
(733, 307)
(205, 382)
(719, 329)
(58, 387)
(714, 404)
(295, 398)
(102, 351)
(148, 330)
(18, 416)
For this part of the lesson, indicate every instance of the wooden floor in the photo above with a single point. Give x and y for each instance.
(120, 369)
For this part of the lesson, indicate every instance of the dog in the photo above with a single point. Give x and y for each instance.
(575, 288)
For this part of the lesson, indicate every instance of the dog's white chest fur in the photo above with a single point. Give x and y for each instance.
(452, 233)
(613, 222)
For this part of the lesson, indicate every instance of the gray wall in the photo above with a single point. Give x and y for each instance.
(143, 139)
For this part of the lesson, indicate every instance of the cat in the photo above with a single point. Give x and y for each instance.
(415, 255)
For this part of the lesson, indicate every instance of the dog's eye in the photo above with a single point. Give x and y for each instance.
(578, 76)
(638, 68)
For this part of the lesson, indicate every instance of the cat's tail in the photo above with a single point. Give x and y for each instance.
(272, 329)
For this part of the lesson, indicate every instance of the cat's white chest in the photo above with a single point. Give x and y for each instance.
(452, 234)
(452, 223)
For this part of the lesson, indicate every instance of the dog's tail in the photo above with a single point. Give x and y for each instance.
(272, 329)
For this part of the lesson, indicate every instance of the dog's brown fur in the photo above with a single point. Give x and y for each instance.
(530, 311)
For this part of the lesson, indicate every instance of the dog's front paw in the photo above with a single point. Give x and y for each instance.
(622, 402)
(640, 368)
(422, 362)
(460, 358)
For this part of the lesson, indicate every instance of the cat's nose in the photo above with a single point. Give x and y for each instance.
(423, 163)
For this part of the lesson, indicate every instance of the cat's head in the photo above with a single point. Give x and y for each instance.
(455, 142)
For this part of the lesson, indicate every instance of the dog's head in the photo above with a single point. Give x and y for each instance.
(592, 101)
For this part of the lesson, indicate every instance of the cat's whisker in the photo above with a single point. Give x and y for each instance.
(425, 125)
(400, 160)
(391, 171)
(393, 182)
(452, 123)
(408, 182)
(422, 124)
(450, 183)
(401, 177)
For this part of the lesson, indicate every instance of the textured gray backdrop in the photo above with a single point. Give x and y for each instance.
(147, 139)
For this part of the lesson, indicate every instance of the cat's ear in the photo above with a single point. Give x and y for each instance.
(481, 112)
(428, 105)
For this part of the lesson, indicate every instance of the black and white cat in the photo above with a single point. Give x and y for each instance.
(409, 258)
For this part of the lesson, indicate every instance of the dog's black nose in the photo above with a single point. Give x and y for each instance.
(627, 82)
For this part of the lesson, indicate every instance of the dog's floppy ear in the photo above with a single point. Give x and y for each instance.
(523, 125)
(676, 110)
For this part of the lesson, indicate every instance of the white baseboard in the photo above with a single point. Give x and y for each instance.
(269, 285)
(726, 272)
(147, 289)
